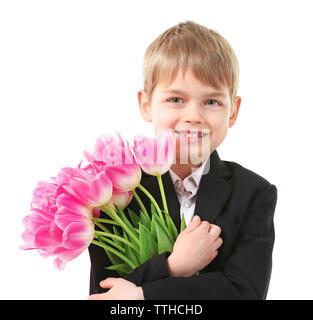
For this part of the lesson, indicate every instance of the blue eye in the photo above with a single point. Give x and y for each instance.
(175, 101)
(213, 101)
(170, 99)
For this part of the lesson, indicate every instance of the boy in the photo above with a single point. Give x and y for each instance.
(190, 84)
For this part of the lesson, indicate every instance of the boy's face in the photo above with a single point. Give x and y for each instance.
(188, 104)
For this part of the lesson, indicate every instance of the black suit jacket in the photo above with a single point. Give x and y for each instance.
(242, 203)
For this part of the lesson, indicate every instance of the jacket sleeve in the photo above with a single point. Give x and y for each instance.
(246, 273)
(151, 270)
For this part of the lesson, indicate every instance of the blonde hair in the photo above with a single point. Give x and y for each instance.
(190, 45)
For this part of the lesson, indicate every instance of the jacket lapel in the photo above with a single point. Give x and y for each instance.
(214, 190)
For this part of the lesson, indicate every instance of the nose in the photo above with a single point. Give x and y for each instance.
(193, 114)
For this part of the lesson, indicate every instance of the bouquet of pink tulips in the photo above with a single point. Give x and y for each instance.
(65, 211)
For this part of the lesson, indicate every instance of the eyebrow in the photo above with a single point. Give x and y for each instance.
(211, 94)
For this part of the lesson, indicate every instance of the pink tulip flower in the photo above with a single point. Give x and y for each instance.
(116, 159)
(155, 155)
(111, 149)
(91, 188)
(121, 199)
(53, 230)
(124, 177)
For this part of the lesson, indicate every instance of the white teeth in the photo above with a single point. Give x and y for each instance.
(191, 135)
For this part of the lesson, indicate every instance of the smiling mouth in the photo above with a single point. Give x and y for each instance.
(191, 133)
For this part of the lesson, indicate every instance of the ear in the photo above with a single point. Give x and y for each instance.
(234, 114)
(145, 109)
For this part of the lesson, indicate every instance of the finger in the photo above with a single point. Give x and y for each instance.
(108, 283)
(218, 242)
(213, 256)
(215, 231)
(206, 226)
(195, 222)
(96, 296)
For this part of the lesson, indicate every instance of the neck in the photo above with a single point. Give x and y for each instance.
(184, 170)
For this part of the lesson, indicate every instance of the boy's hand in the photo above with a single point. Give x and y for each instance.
(121, 289)
(194, 248)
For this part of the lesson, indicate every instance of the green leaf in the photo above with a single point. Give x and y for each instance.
(148, 245)
(170, 231)
(114, 244)
(117, 233)
(133, 216)
(155, 218)
(130, 253)
(122, 268)
(114, 259)
(153, 210)
(164, 227)
(164, 242)
(128, 224)
(144, 220)
(135, 219)
(123, 217)
(153, 228)
(182, 223)
(171, 226)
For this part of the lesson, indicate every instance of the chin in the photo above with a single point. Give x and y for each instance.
(192, 159)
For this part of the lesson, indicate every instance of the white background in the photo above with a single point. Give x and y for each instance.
(70, 71)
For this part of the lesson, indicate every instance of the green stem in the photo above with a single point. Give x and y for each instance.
(102, 227)
(105, 221)
(120, 255)
(114, 236)
(144, 210)
(167, 216)
(117, 246)
(162, 193)
(116, 217)
(149, 195)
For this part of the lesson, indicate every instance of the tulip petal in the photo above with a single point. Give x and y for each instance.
(155, 155)
(48, 216)
(121, 199)
(64, 175)
(81, 187)
(124, 177)
(42, 237)
(101, 189)
(73, 204)
(111, 149)
(35, 221)
(28, 238)
(78, 235)
(69, 254)
(64, 217)
(88, 156)
(45, 253)
(48, 236)
(60, 190)
(59, 263)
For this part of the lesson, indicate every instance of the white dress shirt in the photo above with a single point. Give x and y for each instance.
(187, 191)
